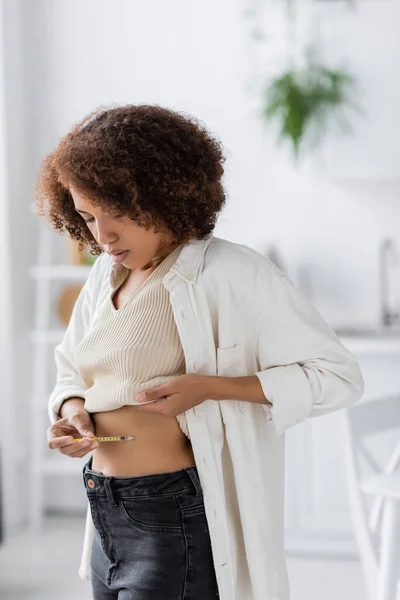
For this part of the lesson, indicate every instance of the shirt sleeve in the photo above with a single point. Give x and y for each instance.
(305, 371)
(69, 383)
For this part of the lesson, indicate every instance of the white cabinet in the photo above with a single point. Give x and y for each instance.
(48, 466)
(317, 509)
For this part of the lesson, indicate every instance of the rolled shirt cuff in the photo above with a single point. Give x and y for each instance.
(288, 388)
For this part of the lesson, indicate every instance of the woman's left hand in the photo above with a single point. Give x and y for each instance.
(175, 396)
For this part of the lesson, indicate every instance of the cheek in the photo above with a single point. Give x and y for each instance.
(92, 228)
(144, 241)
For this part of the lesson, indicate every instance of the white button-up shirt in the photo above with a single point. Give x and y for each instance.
(237, 314)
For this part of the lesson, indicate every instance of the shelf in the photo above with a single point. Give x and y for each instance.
(63, 465)
(47, 336)
(363, 345)
(365, 340)
(61, 272)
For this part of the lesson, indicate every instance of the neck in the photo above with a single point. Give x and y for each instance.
(158, 258)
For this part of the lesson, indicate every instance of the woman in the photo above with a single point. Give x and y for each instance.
(200, 348)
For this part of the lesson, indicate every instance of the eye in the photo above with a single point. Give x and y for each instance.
(90, 220)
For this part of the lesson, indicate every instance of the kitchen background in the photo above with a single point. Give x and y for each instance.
(324, 219)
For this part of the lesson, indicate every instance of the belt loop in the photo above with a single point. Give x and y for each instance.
(85, 467)
(110, 495)
(195, 480)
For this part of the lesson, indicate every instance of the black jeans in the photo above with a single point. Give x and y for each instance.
(151, 539)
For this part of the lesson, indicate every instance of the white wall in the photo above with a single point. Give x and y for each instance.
(7, 426)
(193, 57)
(17, 244)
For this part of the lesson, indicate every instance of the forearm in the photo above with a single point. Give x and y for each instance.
(247, 389)
(71, 405)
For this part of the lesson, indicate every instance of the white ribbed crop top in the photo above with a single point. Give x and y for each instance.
(134, 348)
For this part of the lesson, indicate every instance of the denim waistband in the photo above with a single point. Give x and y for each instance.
(159, 484)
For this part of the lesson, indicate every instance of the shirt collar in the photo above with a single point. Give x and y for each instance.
(190, 259)
(187, 265)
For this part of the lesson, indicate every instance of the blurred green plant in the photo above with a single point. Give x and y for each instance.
(301, 100)
(88, 259)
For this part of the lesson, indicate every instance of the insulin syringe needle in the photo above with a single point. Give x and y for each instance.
(113, 438)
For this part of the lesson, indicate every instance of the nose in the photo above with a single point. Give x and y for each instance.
(105, 234)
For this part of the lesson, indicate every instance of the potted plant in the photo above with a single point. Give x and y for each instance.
(77, 256)
(305, 96)
(301, 101)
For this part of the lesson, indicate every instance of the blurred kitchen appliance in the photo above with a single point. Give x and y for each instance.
(389, 283)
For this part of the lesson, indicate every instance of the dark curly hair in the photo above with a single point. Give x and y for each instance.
(153, 164)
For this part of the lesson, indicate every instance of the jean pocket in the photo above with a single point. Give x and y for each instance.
(194, 510)
(154, 514)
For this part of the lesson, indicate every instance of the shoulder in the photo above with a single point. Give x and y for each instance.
(238, 263)
(99, 275)
(101, 266)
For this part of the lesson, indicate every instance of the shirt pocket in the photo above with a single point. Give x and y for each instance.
(231, 362)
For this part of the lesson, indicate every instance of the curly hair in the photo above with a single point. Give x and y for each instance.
(157, 166)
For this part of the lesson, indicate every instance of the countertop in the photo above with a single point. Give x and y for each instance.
(370, 339)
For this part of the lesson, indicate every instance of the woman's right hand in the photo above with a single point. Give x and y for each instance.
(75, 424)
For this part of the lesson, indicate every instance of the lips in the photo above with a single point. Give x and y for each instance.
(116, 252)
(119, 256)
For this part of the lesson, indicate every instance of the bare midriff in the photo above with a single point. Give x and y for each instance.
(160, 446)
